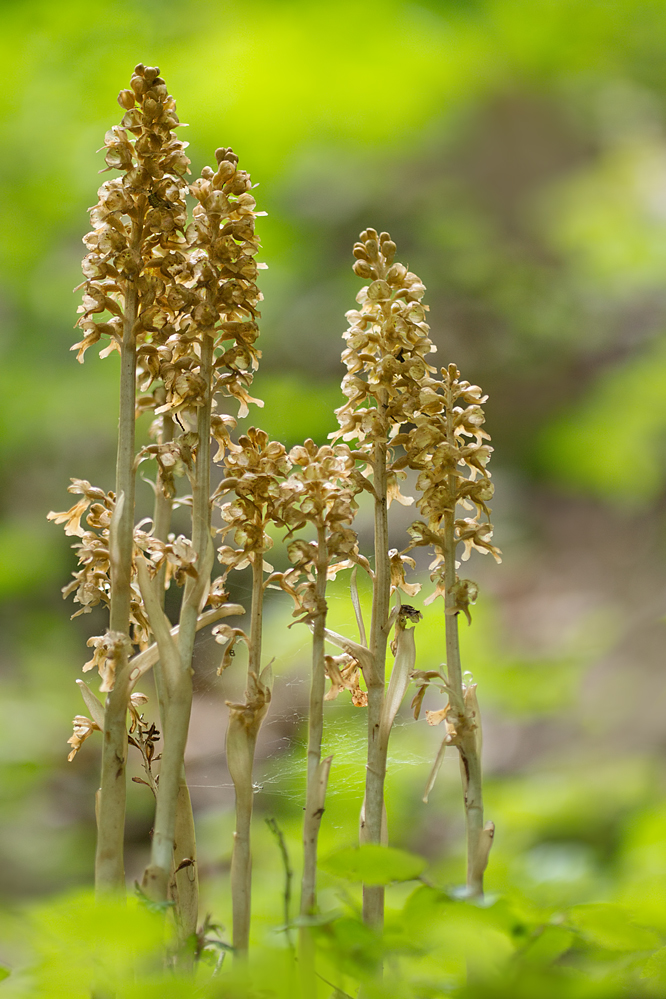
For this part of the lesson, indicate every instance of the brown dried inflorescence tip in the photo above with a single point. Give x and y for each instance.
(388, 379)
(224, 247)
(190, 281)
(140, 218)
(212, 294)
(452, 472)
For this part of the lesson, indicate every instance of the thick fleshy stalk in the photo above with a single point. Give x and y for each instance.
(317, 771)
(245, 735)
(465, 716)
(184, 880)
(179, 678)
(109, 862)
(374, 814)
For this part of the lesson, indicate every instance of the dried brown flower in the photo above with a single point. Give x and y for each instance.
(83, 728)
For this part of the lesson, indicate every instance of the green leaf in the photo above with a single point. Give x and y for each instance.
(609, 926)
(4, 973)
(375, 865)
(655, 967)
(549, 945)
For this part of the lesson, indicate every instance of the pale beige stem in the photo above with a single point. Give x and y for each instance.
(179, 687)
(109, 862)
(162, 512)
(241, 858)
(469, 742)
(371, 832)
(241, 863)
(184, 884)
(317, 773)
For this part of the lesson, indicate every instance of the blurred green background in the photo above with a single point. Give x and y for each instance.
(517, 154)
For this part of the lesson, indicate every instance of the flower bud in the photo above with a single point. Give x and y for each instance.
(225, 170)
(138, 85)
(363, 269)
(126, 99)
(389, 250)
(372, 249)
(226, 153)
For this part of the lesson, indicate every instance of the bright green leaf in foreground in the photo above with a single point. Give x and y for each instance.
(375, 865)
(609, 926)
(550, 944)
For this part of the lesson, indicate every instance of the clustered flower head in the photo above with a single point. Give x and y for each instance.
(224, 245)
(139, 220)
(253, 469)
(175, 283)
(388, 380)
(449, 449)
(320, 491)
(91, 584)
(210, 293)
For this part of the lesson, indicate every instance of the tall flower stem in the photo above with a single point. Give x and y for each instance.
(468, 724)
(185, 881)
(371, 832)
(464, 709)
(387, 342)
(109, 863)
(317, 772)
(179, 679)
(245, 735)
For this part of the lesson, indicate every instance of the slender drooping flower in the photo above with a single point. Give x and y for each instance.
(448, 447)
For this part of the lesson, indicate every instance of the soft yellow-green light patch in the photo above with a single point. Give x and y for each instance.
(613, 443)
(610, 220)
(28, 559)
(373, 73)
(295, 408)
(55, 404)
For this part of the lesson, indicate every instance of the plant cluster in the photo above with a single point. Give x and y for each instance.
(176, 296)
